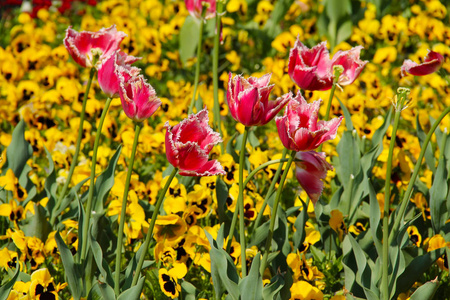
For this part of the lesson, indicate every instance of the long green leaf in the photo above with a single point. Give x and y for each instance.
(133, 293)
(70, 268)
(189, 35)
(426, 291)
(6, 288)
(251, 286)
(223, 271)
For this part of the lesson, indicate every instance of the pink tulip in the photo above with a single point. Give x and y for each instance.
(188, 145)
(351, 63)
(299, 129)
(311, 167)
(91, 49)
(139, 100)
(108, 77)
(248, 100)
(195, 8)
(312, 69)
(433, 61)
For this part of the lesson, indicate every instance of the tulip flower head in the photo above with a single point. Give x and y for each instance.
(188, 145)
(248, 100)
(299, 129)
(91, 49)
(312, 69)
(310, 168)
(196, 7)
(139, 100)
(432, 62)
(108, 73)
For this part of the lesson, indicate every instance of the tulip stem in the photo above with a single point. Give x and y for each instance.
(387, 197)
(123, 210)
(197, 67)
(330, 99)
(241, 204)
(77, 148)
(216, 109)
(91, 182)
(152, 225)
(407, 195)
(274, 213)
(269, 192)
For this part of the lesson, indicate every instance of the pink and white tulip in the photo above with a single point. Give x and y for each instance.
(195, 8)
(91, 49)
(248, 100)
(432, 62)
(312, 69)
(188, 145)
(311, 167)
(299, 129)
(108, 73)
(139, 100)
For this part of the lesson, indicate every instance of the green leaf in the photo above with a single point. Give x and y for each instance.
(251, 286)
(416, 268)
(344, 31)
(102, 264)
(429, 157)
(188, 290)
(199, 103)
(70, 197)
(50, 182)
(426, 291)
(374, 219)
(105, 182)
(37, 225)
(134, 292)
(253, 139)
(223, 271)
(19, 151)
(349, 158)
(259, 235)
(336, 10)
(300, 234)
(347, 115)
(279, 11)
(70, 268)
(106, 290)
(438, 193)
(189, 35)
(6, 288)
(273, 288)
(222, 196)
(131, 267)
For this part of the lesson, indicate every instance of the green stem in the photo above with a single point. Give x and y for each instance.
(330, 99)
(249, 177)
(91, 182)
(407, 195)
(262, 166)
(269, 192)
(123, 210)
(241, 204)
(77, 149)
(387, 197)
(216, 108)
(152, 225)
(197, 67)
(274, 213)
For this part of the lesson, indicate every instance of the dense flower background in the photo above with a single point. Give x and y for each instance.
(42, 88)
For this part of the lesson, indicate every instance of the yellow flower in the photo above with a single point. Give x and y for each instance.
(337, 223)
(200, 198)
(357, 228)
(305, 291)
(43, 287)
(170, 228)
(414, 236)
(168, 280)
(8, 258)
